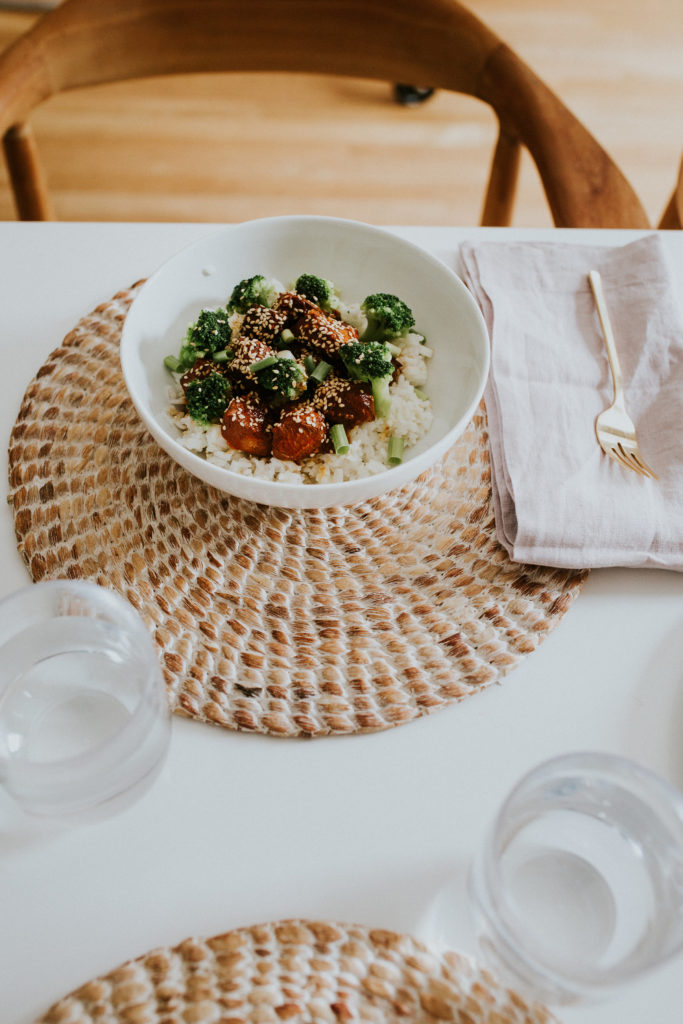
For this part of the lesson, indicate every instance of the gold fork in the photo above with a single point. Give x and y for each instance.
(614, 428)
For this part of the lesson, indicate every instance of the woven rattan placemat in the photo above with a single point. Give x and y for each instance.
(271, 620)
(297, 970)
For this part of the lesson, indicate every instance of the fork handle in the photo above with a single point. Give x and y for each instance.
(601, 304)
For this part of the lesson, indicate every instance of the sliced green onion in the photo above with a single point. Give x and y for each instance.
(285, 354)
(421, 394)
(222, 357)
(321, 371)
(263, 363)
(287, 336)
(172, 363)
(339, 439)
(395, 451)
(394, 349)
(309, 364)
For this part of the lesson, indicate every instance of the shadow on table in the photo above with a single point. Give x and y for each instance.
(446, 922)
(431, 905)
(655, 729)
(19, 831)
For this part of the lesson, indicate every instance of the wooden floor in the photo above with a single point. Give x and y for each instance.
(201, 148)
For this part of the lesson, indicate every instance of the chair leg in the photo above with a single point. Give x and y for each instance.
(26, 174)
(502, 186)
(671, 216)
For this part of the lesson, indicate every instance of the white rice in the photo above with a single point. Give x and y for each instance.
(413, 360)
(410, 417)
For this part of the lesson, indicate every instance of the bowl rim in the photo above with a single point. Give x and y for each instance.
(400, 474)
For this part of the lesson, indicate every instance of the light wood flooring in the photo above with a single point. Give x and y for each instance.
(226, 148)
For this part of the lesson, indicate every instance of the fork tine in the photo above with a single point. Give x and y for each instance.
(632, 458)
(627, 462)
(633, 464)
(644, 466)
(638, 463)
(628, 456)
(613, 452)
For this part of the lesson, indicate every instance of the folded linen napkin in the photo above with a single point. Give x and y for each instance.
(558, 499)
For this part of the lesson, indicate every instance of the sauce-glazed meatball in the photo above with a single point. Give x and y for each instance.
(300, 431)
(248, 351)
(344, 401)
(263, 323)
(293, 306)
(246, 425)
(324, 333)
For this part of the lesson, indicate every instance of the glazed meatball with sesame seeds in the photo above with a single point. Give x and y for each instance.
(294, 306)
(299, 432)
(324, 333)
(344, 401)
(248, 351)
(246, 425)
(263, 324)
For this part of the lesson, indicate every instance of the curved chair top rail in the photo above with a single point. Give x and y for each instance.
(437, 43)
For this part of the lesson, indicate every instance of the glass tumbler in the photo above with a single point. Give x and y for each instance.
(579, 885)
(84, 717)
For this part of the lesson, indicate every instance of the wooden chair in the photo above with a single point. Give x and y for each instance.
(673, 215)
(438, 43)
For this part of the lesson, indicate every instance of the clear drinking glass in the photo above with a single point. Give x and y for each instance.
(84, 717)
(579, 885)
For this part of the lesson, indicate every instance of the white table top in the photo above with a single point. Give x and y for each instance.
(241, 829)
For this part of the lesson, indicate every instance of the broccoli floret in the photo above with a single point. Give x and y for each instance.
(207, 398)
(209, 334)
(317, 289)
(285, 377)
(388, 317)
(211, 331)
(370, 361)
(252, 291)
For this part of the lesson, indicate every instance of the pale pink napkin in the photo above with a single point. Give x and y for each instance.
(558, 499)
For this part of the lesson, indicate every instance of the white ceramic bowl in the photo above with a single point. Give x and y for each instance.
(360, 259)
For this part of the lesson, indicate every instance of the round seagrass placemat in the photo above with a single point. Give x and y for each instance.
(297, 970)
(292, 623)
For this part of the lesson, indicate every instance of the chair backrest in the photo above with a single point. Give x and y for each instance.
(436, 43)
(673, 214)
